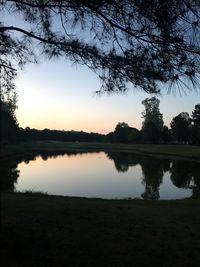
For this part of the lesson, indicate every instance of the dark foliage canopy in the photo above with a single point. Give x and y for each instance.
(28, 134)
(196, 116)
(8, 123)
(143, 43)
(181, 125)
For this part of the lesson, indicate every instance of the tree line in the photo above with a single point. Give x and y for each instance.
(12, 133)
(142, 44)
(184, 129)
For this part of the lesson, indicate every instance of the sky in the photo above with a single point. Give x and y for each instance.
(58, 95)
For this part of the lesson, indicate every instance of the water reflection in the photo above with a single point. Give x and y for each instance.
(186, 175)
(123, 161)
(8, 174)
(152, 178)
(183, 174)
(153, 171)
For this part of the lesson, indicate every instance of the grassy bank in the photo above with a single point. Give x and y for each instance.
(186, 151)
(41, 230)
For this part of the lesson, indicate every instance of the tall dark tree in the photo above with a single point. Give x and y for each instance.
(181, 127)
(196, 116)
(9, 126)
(166, 134)
(153, 120)
(196, 125)
(144, 43)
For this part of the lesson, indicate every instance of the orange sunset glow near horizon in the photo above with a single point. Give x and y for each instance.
(56, 95)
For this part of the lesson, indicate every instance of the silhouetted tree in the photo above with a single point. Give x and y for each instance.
(122, 130)
(166, 135)
(196, 125)
(153, 120)
(181, 127)
(145, 43)
(109, 137)
(196, 116)
(134, 136)
(9, 126)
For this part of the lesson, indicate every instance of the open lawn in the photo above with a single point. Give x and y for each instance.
(42, 230)
(186, 151)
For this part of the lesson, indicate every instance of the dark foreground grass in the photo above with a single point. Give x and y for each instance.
(49, 231)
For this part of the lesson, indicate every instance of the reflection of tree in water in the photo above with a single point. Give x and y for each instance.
(46, 155)
(186, 174)
(181, 174)
(8, 174)
(196, 184)
(8, 168)
(123, 161)
(153, 170)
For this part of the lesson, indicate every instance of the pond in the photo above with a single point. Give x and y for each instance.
(103, 175)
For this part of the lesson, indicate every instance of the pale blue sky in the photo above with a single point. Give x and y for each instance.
(56, 95)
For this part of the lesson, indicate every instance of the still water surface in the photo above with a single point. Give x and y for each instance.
(107, 175)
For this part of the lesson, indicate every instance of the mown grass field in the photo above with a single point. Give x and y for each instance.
(186, 151)
(39, 230)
